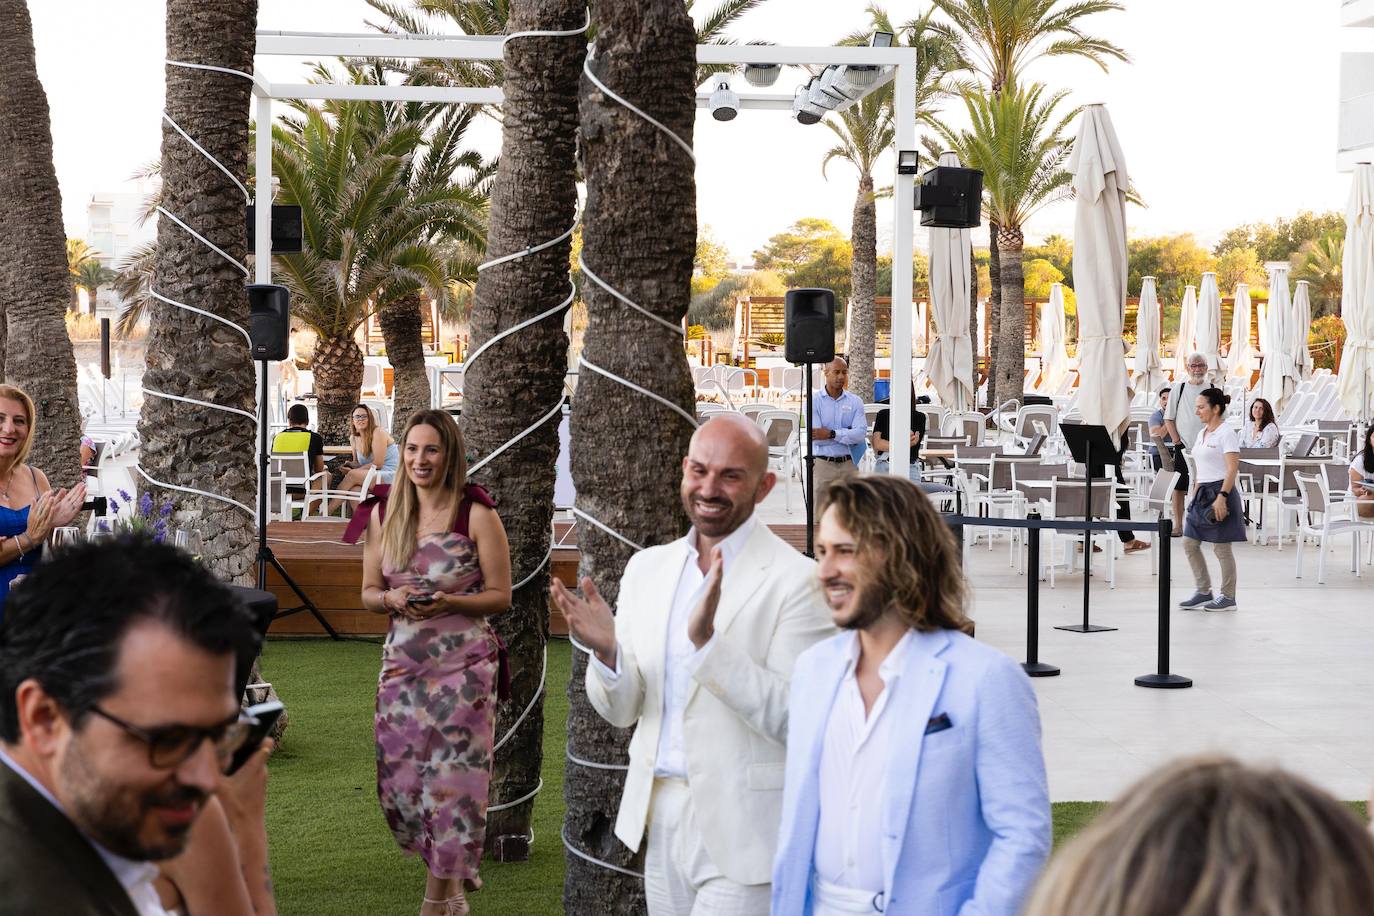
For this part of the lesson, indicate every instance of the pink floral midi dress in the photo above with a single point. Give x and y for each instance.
(436, 703)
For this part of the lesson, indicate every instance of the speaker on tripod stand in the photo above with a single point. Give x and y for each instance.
(809, 338)
(269, 328)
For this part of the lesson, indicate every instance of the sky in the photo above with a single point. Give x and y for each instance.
(1226, 114)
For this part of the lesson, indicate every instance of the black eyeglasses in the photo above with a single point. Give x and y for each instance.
(173, 745)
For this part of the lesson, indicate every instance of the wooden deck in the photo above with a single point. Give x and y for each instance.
(330, 573)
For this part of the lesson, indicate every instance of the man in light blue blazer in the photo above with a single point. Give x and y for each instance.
(914, 784)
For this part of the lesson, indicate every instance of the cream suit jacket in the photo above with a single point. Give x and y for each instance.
(735, 720)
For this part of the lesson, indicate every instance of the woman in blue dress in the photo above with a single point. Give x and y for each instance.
(29, 508)
(373, 447)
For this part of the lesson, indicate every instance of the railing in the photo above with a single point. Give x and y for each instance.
(1356, 122)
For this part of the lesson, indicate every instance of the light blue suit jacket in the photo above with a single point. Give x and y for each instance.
(966, 819)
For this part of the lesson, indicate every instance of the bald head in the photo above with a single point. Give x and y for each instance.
(724, 475)
(736, 434)
(836, 376)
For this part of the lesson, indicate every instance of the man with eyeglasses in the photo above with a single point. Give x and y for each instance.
(118, 717)
(1183, 426)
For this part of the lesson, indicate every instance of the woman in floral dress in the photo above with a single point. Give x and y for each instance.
(437, 562)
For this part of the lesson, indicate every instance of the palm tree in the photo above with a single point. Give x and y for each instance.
(368, 233)
(79, 256)
(37, 352)
(490, 17)
(188, 355)
(91, 276)
(399, 310)
(645, 51)
(518, 380)
(133, 282)
(1321, 263)
(865, 131)
(1020, 144)
(998, 39)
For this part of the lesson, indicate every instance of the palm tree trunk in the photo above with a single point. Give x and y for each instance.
(188, 354)
(1011, 347)
(640, 221)
(338, 368)
(33, 256)
(863, 280)
(994, 314)
(973, 320)
(402, 324)
(533, 199)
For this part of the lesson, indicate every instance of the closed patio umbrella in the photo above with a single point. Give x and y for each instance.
(950, 363)
(1099, 270)
(1240, 359)
(1054, 351)
(1208, 339)
(1302, 322)
(1147, 371)
(1275, 378)
(1187, 332)
(1356, 381)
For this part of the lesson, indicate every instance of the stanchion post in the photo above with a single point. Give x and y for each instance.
(1162, 678)
(1032, 665)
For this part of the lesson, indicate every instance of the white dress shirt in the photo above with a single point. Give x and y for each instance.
(136, 877)
(853, 780)
(681, 658)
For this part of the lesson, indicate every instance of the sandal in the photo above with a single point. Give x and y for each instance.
(1137, 546)
(457, 905)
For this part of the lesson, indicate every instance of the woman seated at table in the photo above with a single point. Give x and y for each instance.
(1362, 477)
(1261, 429)
(29, 507)
(373, 447)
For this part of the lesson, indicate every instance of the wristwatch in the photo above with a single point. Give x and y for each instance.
(1226, 493)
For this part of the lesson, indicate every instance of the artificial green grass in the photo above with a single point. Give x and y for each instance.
(332, 853)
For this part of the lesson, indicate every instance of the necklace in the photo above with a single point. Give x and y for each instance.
(9, 478)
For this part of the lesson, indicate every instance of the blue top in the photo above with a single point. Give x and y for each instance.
(14, 522)
(387, 472)
(844, 415)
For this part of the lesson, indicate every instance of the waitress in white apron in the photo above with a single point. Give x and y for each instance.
(1215, 514)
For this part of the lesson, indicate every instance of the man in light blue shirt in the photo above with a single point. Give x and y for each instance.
(838, 425)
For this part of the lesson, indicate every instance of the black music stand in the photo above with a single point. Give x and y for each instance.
(1083, 442)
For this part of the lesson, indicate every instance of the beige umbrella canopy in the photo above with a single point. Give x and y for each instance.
(1099, 270)
(1147, 371)
(1356, 381)
(1240, 359)
(1187, 332)
(1302, 324)
(1208, 340)
(1276, 378)
(950, 361)
(1054, 351)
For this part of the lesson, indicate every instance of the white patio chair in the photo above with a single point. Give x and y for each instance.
(1321, 519)
(780, 430)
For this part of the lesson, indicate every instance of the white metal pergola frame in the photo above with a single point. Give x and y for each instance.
(491, 48)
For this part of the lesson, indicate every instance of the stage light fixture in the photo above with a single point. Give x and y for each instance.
(762, 75)
(908, 162)
(724, 103)
(802, 109)
(863, 76)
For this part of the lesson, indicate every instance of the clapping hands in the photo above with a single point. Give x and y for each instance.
(53, 509)
(589, 617)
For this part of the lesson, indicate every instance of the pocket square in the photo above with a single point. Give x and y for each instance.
(938, 723)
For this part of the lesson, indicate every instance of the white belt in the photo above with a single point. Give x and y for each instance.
(846, 899)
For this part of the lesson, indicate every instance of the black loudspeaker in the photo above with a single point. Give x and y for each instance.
(950, 198)
(287, 228)
(810, 330)
(269, 320)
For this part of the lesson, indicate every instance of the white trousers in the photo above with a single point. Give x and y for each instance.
(833, 900)
(679, 877)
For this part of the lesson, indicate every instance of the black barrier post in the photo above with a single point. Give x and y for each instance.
(1162, 678)
(1032, 665)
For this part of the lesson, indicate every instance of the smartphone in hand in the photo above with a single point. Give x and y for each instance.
(420, 599)
(264, 716)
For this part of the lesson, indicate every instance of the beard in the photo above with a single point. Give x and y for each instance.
(868, 608)
(720, 525)
(114, 816)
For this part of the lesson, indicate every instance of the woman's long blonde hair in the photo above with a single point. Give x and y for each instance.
(13, 393)
(403, 505)
(1211, 836)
